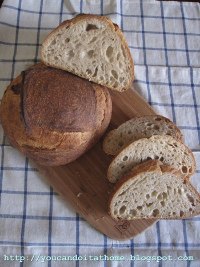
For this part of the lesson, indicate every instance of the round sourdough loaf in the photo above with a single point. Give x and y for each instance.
(53, 116)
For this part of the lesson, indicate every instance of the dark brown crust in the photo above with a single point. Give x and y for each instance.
(49, 146)
(107, 111)
(149, 166)
(113, 26)
(58, 101)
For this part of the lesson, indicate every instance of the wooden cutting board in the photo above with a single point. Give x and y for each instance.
(83, 182)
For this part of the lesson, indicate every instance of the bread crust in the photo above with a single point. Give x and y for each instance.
(154, 166)
(55, 88)
(81, 17)
(47, 145)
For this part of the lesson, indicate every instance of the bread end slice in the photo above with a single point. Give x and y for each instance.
(153, 190)
(93, 48)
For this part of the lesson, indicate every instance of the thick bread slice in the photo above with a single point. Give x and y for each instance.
(136, 128)
(152, 190)
(91, 47)
(162, 147)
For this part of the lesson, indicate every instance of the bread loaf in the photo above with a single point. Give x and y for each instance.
(152, 190)
(162, 147)
(136, 128)
(91, 47)
(53, 116)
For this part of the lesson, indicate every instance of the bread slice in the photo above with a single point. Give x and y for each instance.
(162, 147)
(152, 190)
(136, 128)
(91, 47)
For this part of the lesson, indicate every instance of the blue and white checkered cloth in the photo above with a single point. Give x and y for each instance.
(164, 38)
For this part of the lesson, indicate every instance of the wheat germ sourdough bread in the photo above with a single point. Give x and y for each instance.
(136, 128)
(152, 190)
(162, 147)
(53, 116)
(91, 47)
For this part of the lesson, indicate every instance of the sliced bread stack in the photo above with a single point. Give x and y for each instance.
(138, 145)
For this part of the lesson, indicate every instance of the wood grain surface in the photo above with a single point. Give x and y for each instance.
(83, 182)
